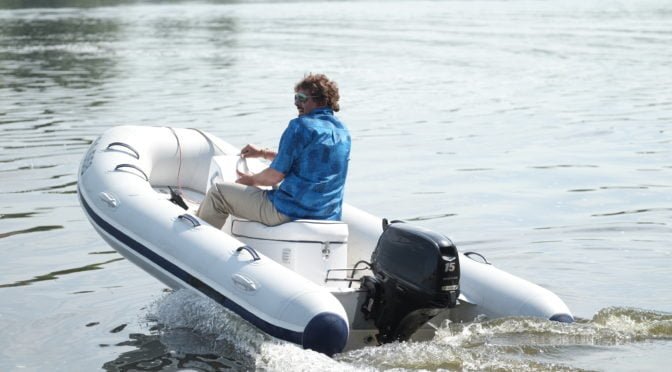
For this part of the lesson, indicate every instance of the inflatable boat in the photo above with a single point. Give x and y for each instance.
(328, 286)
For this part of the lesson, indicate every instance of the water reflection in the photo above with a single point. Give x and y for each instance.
(176, 349)
(56, 274)
(20, 4)
(30, 230)
(181, 33)
(65, 51)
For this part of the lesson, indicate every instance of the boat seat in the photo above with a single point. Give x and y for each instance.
(308, 247)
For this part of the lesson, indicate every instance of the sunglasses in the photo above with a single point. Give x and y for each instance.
(300, 97)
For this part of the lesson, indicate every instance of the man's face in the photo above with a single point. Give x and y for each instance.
(304, 102)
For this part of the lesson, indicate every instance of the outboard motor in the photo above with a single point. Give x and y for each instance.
(416, 276)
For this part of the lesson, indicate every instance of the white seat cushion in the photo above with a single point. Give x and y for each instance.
(295, 231)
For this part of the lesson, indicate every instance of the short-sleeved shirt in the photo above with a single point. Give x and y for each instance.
(313, 155)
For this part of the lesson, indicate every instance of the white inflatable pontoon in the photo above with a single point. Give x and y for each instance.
(289, 281)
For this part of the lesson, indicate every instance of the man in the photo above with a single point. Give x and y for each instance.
(310, 165)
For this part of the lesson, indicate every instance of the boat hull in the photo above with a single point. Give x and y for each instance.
(122, 188)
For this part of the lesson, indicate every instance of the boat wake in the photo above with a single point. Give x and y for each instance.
(514, 343)
(183, 310)
(518, 343)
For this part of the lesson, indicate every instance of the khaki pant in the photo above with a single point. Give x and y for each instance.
(247, 202)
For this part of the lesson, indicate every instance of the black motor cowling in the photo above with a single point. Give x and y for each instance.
(416, 276)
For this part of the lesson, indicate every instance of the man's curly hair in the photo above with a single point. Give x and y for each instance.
(323, 90)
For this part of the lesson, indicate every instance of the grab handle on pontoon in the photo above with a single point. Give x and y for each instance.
(468, 254)
(134, 167)
(189, 218)
(254, 253)
(135, 152)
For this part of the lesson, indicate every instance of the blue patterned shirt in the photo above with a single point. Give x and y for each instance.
(313, 155)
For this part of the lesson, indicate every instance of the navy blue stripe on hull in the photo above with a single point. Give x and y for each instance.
(190, 280)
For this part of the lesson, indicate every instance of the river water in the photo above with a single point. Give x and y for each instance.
(538, 133)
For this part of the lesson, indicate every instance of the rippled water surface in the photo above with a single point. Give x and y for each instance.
(538, 133)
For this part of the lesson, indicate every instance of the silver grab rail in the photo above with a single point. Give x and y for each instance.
(135, 152)
(254, 253)
(134, 167)
(190, 218)
(469, 254)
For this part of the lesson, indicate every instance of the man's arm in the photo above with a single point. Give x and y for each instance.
(252, 151)
(268, 177)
